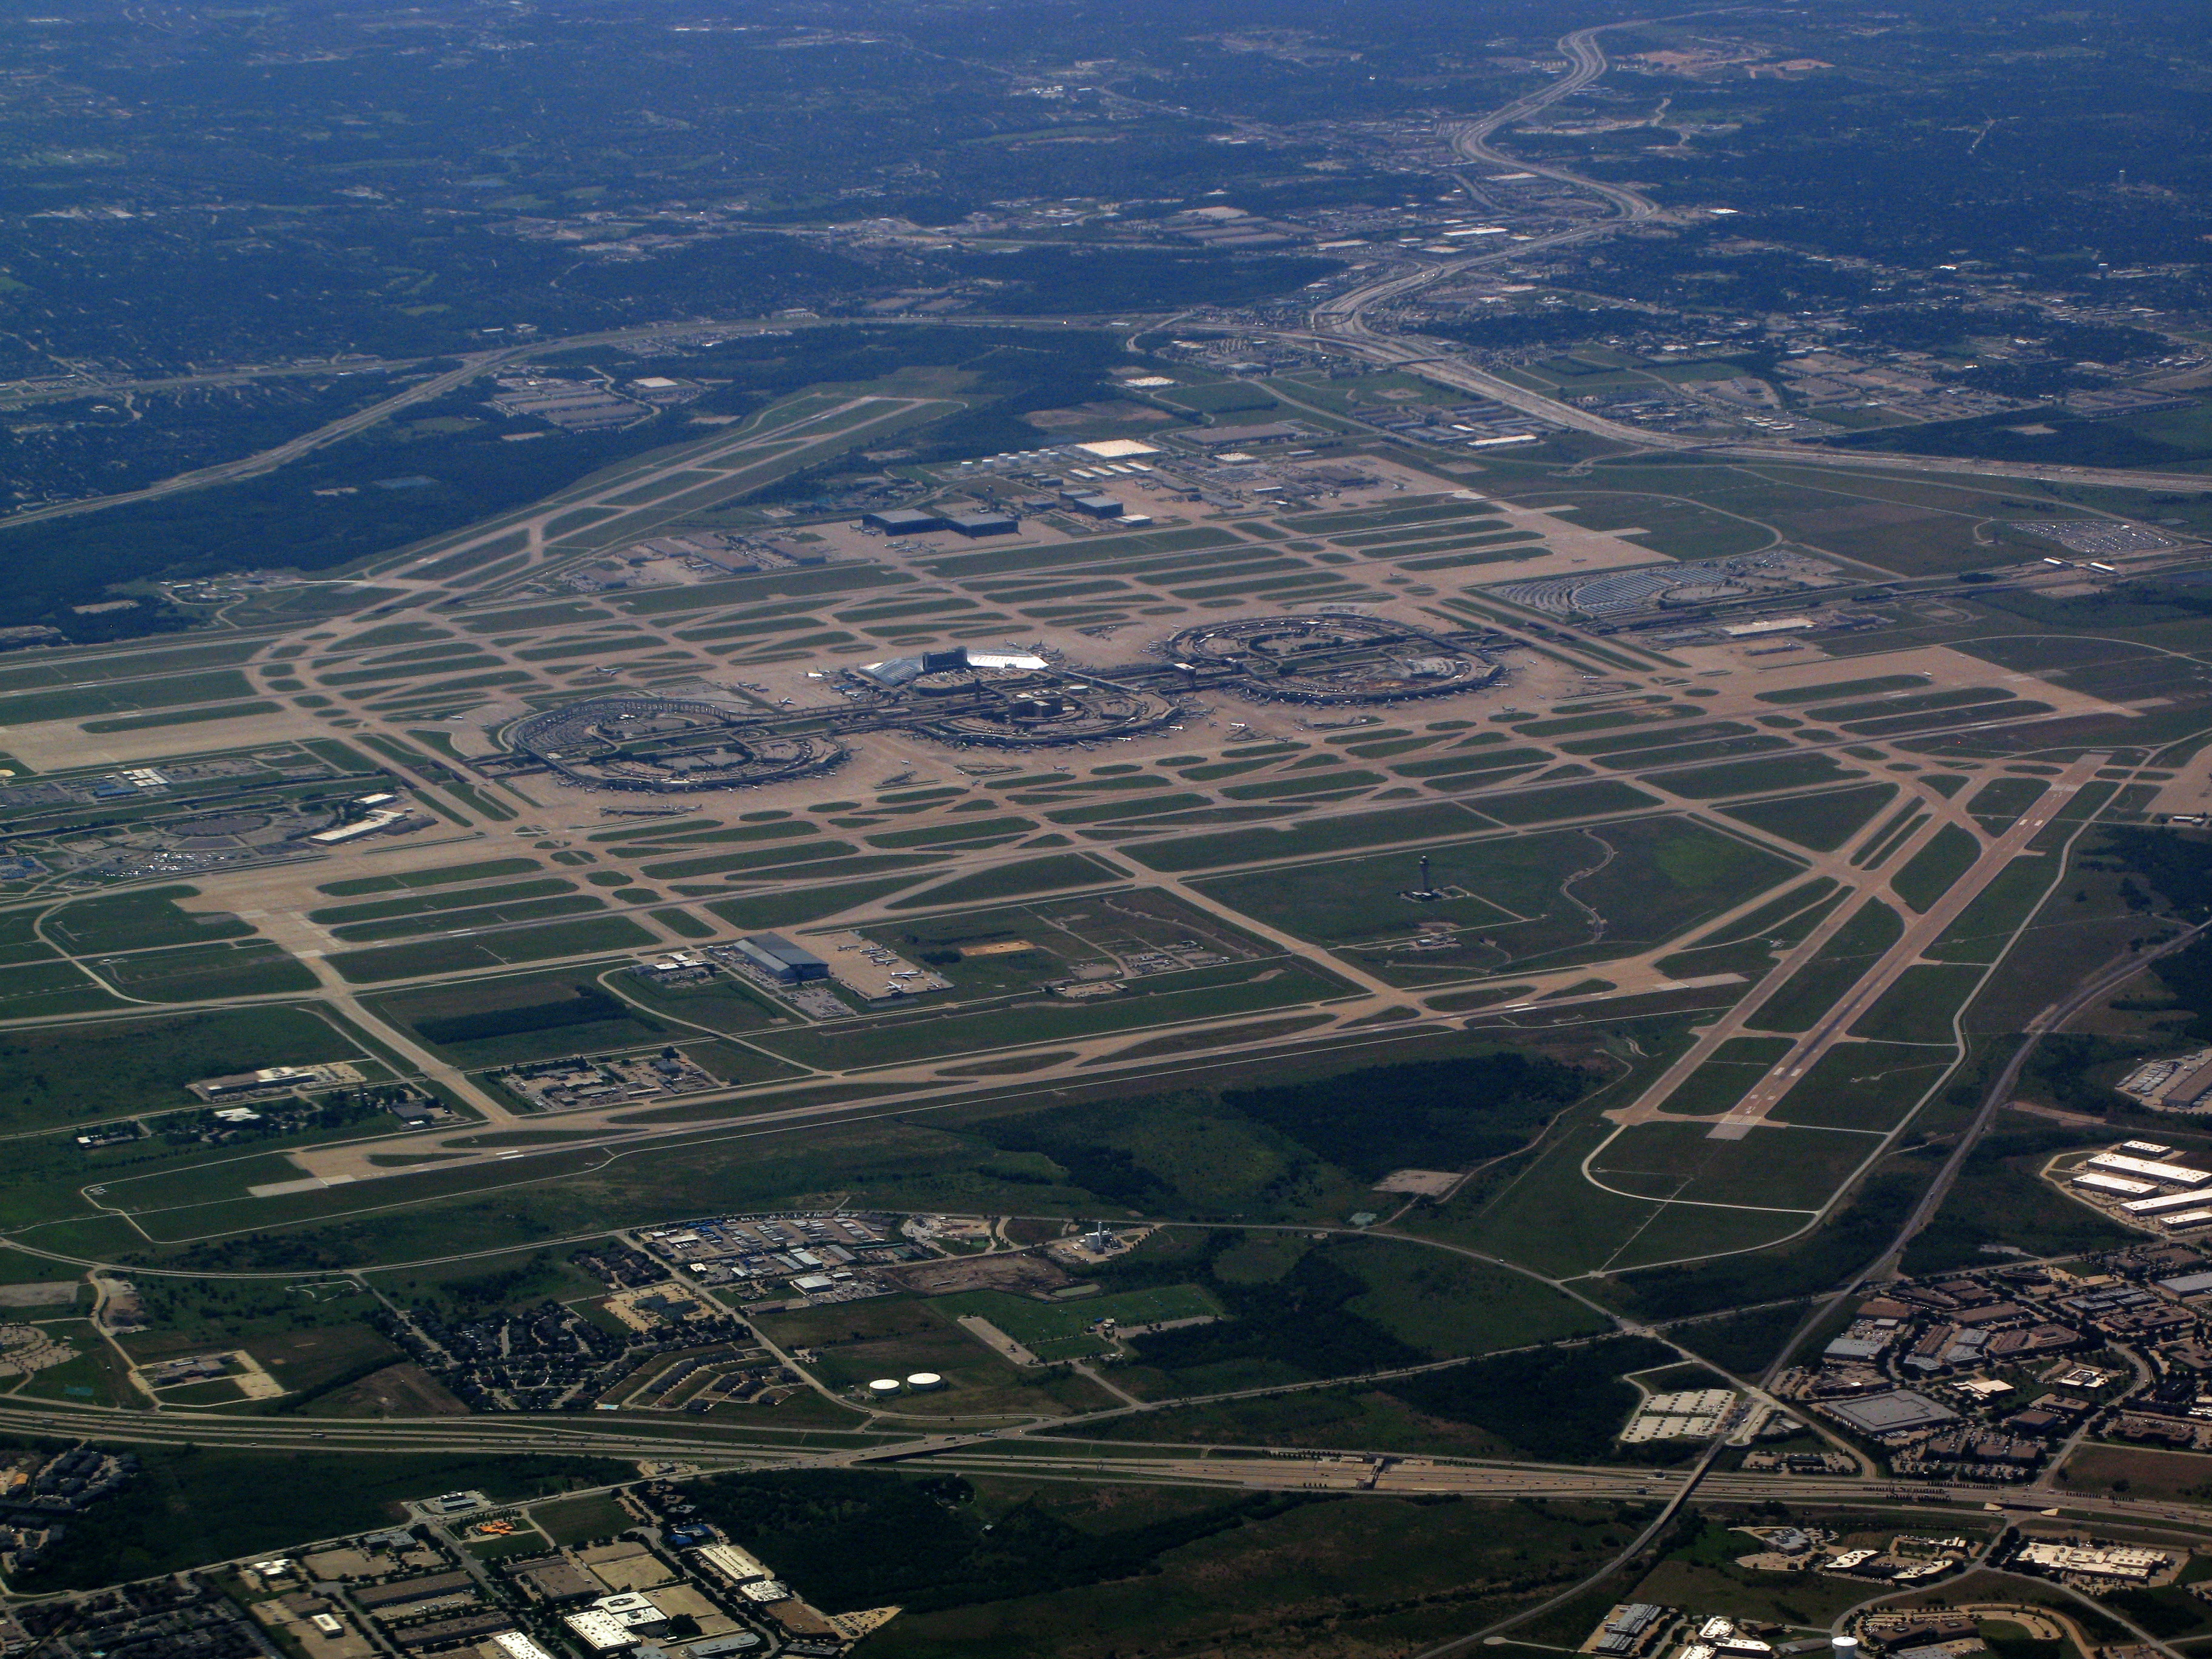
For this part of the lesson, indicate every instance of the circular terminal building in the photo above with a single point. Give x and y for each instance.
(1325, 658)
(665, 746)
(1008, 700)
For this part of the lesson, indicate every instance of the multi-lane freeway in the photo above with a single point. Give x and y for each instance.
(1343, 320)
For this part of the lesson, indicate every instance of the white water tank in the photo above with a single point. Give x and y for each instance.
(884, 1387)
(923, 1382)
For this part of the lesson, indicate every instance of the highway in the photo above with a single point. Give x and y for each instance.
(1020, 1452)
(1343, 321)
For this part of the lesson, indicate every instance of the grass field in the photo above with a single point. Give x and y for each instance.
(1062, 1330)
(1010, 880)
(1823, 822)
(201, 973)
(1861, 1085)
(1918, 1007)
(1772, 1168)
(1202, 994)
(580, 1520)
(1743, 777)
(1988, 924)
(1929, 873)
(1574, 800)
(1518, 896)
(1288, 841)
(89, 1072)
(111, 697)
(594, 936)
(131, 921)
(1812, 989)
(447, 875)
(1721, 1081)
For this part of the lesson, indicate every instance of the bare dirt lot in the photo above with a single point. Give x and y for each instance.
(990, 1272)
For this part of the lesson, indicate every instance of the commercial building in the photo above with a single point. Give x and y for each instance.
(618, 1621)
(602, 1633)
(275, 1079)
(1898, 1412)
(1630, 1630)
(780, 960)
(516, 1646)
(2120, 1563)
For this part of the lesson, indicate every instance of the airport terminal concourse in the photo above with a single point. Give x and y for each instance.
(1330, 659)
(661, 745)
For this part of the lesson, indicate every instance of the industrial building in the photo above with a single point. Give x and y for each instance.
(2117, 1186)
(559, 1580)
(902, 521)
(406, 1592)
(1630, 1630)
(983, 523)
(1236, 437)
(2164, 1204)
(1096, 506)
(780, 960)
(2172, 1175)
